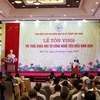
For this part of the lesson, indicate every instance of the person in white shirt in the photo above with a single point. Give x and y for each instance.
(85, 76)
(32, 94)
(37, 88)
(57, 89)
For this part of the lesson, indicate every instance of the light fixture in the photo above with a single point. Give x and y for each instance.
(18, 1)
(36, 2)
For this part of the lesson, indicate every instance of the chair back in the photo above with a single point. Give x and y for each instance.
(8, 93)
(27, 84)
(48, 91)
(8, 86)
(39, 98)
(57, 98)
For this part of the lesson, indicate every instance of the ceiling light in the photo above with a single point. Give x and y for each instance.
(96, 3)
(68, 5)
(0, 11)
(36, 2)
(92, 10)
(77, 1)
(18, 1)
(64, 15)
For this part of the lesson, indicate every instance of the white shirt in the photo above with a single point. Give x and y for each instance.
(85, 78)
(54, 95)
(41, 95)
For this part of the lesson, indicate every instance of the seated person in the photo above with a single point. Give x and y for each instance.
(37, 88)
(63, 96)
(24, 98)
(32, 94)
(52, 75)
(57, 90)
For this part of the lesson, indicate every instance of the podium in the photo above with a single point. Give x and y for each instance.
(10, 67)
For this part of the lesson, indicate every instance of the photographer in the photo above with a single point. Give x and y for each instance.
(90, 94)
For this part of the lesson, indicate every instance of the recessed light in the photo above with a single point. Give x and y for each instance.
(92, 10)
(64, 15)
(30, 15)
(13, 3)
(68, 5)
(23, 6)
(37, 7)
(48, 19)
(18, 1)
(96, 3)
(77, 1)
(23, 19)
(0, 11)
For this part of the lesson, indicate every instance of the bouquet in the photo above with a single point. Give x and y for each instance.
(9, 60)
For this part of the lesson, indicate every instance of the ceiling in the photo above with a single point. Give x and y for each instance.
(50, 10)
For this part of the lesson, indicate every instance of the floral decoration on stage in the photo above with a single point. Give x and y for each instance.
(32, 67)
(9, 60)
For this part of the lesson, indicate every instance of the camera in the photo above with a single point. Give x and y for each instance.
(88, 82)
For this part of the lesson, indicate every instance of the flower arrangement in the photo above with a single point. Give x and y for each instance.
(32, 67)
(9, 60)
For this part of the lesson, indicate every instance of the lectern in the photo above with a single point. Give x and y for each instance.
(11, 67)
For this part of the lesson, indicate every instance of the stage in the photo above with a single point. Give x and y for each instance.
(41, 75)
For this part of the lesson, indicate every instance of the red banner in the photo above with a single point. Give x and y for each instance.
(12, 40)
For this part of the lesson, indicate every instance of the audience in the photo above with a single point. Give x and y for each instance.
(78, 87)
(74, 89)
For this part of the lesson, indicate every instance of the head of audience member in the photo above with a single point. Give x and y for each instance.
(37, 88)
(56, 80)
(65, 83)
(9, 75)
(90, 95)
(79, 87)
(72, 75)
(17, 75)
(47, 80)
(57, 88)
(98, 74)
(38, 84)
(75, 83)
(24, 98)
(63, 95)
(52, 73)
(91, 77)
(86, 74)
(32, 94)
